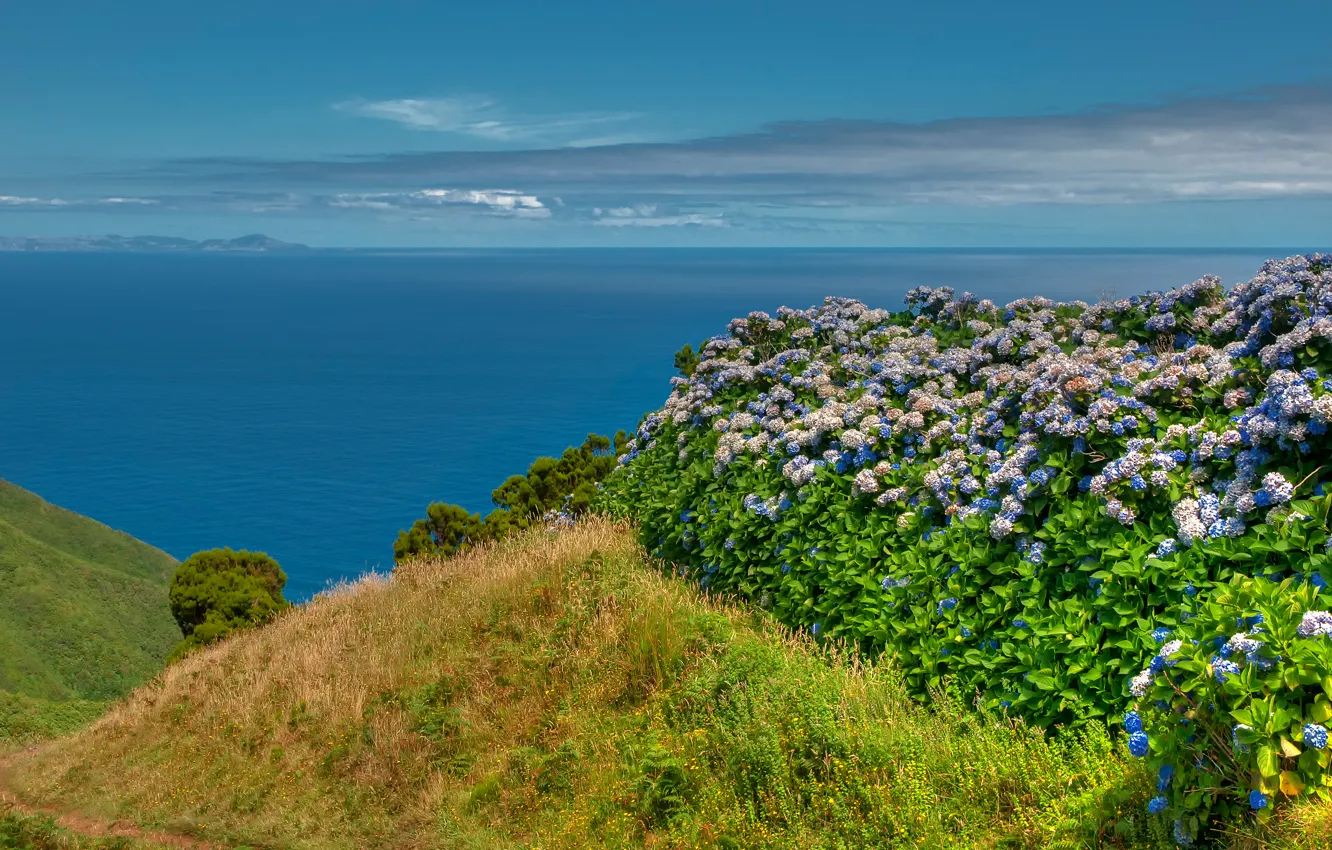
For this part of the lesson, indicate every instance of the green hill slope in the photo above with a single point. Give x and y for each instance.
(555, 692)
(83, 612)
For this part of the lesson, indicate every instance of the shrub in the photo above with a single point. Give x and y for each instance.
(554, 489)
(1014, 499)
(1234, 709)
(218, 591)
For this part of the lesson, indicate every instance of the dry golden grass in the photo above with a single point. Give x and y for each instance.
(292, 730)
(553, 692)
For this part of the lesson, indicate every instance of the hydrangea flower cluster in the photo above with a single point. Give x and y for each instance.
(966, 428)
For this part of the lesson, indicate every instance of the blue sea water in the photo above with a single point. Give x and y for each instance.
(311, 405)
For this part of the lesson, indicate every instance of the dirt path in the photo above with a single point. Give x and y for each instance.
(92, 827)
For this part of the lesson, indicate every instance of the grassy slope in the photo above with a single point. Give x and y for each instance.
(555, 693)
(83, 613)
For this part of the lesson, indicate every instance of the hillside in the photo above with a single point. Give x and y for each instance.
(555, 692)
(83, 614)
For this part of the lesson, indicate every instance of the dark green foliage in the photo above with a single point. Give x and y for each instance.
(446, 530)
(565, 484)
(686, 360)
(218, 591)
(660, 788)
(83, 615)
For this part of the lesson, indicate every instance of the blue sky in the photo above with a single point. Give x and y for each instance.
(672, 123)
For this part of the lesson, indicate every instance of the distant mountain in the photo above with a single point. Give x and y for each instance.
(254, 243)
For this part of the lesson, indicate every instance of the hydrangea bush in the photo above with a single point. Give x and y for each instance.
(1030, 501)
(1233, 713)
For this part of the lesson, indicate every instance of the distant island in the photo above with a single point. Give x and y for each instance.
(253, 243)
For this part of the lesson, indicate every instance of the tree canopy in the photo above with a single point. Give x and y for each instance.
(218, 591)
(567, 483)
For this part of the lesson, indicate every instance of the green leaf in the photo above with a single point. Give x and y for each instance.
(1267, 761)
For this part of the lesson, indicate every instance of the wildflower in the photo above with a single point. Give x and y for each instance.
(1257, 800)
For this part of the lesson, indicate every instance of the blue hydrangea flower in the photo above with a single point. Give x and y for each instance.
(1138, 744)
(1156, 805)
(1223, 669)
(1315, 736)
(1164, 777)
(1181, 834)
(1257, 800)
(1132, 722)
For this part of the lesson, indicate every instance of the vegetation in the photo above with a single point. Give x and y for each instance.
(83, 615)
(1033, 502)
(40, 832)
(554, 691)
(553, 488)
(1227, 736)
(25, 718)
(216, 592)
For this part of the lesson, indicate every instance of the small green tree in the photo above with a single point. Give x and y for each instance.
(520, 501)
(446, 530)
(218, 591)
(686, 360)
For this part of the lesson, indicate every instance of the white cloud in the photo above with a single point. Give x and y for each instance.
(660, 220)
(56, 203)
(483, 117)
(17, 201)
(499, 201)
(640, 211)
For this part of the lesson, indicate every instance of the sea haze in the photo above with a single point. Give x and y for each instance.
(311, 405)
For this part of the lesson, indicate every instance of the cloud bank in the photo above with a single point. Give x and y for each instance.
(1271, 145)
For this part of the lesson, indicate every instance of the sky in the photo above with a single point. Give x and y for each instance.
(515, 123)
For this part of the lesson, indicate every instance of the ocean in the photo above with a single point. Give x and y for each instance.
(311, 405)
